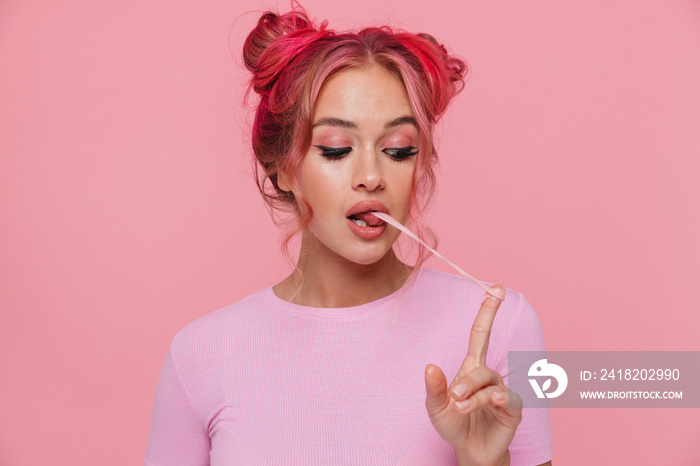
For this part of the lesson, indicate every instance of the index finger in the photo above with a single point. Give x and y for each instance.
(480, 333)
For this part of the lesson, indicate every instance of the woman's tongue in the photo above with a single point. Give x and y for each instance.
(368, 218)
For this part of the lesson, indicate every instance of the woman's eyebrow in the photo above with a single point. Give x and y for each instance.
(400, 121)
(349, 124)
(335, 122)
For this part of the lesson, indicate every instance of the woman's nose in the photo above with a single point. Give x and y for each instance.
(366, 173)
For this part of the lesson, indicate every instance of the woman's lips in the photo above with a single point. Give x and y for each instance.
(372, 225)
(367, 206)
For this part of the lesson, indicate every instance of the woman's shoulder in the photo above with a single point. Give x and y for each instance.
(452, 291)
(439, 284)
(226, 322)
(446, 304)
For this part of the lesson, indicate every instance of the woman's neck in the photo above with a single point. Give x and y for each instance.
(331, 281)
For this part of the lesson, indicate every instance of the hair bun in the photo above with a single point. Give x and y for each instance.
(269, 30)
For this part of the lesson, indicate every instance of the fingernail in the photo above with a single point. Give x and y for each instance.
(498, 395)
(459, 390)
(464, 404)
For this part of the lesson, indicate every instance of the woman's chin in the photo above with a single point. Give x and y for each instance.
(371, 257)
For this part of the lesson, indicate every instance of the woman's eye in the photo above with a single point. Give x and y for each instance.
(334, 153)
(401, 153)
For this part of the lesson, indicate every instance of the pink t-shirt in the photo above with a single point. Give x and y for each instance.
(266, 382)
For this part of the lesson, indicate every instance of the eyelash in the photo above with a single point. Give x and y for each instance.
(337, 153)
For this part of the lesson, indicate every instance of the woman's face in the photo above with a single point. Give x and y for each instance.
(364, 147)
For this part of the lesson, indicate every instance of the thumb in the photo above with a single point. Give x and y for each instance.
(437, 398)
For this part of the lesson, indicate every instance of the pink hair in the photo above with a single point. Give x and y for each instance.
(290, 59)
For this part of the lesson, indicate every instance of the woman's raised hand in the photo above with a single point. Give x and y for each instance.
(477, 414)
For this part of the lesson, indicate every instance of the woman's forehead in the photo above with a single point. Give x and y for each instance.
(372, 96)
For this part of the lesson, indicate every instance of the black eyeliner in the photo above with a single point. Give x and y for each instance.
(334, 152)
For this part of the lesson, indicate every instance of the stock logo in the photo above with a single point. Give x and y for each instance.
(542, 368)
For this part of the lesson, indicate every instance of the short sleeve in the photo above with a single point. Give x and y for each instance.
(177, 435)
(532, 444)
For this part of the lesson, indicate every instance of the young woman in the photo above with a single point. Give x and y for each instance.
(340, 363)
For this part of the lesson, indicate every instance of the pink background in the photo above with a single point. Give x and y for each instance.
(570, 172)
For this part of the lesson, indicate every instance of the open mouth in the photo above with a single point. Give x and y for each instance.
(366, 219)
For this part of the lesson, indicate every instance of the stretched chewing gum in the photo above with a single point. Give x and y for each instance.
(495, 293)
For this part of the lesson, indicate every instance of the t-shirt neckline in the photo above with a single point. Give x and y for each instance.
(339, 312)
